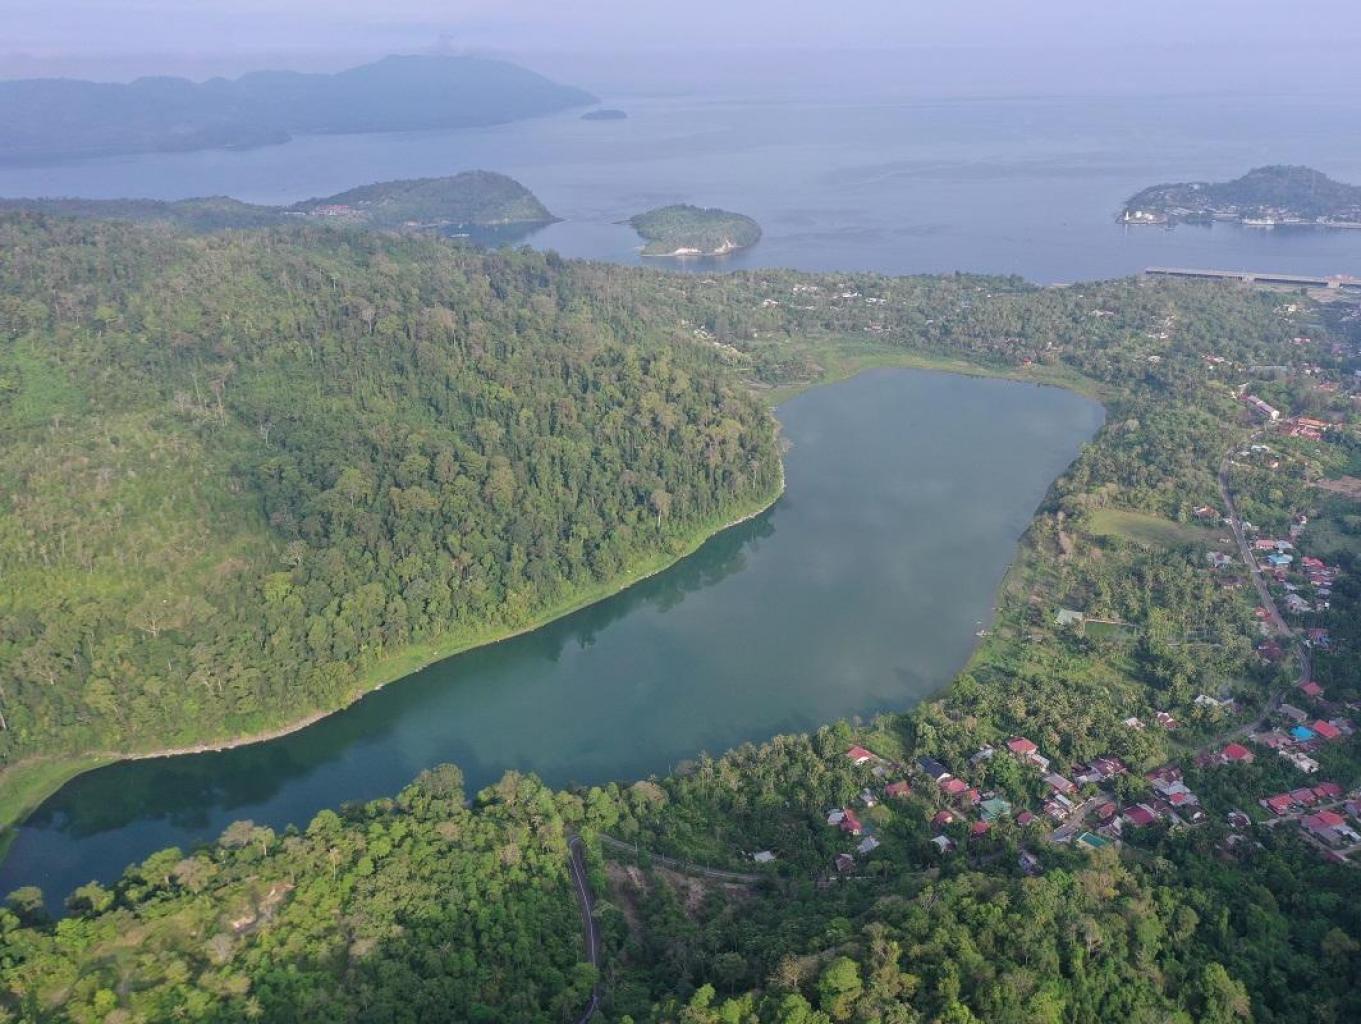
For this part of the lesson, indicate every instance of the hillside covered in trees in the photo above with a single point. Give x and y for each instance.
(420, 907)
(46, 119)
(242, 472)
(684, 230)
(1275, 193)
(469, 199)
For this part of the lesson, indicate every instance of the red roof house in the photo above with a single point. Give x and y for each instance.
(1236, 753)
(1304, 796)
(1024, 818)
(897, 789)
(1326, 729)
(954, 787)
(1327, 791)
(1139, 816)
(979, 828)
(1021, 747)
(859, 755)
(1311, 688)
(943, 818)
(1278, 804)
(850, 823)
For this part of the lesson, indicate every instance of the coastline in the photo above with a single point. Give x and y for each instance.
(31, 783)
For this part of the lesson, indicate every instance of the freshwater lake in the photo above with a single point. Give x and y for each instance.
(860, 590)
(863, 588)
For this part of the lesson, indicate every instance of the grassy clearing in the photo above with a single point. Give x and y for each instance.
(1154, 531)
(23, 788)
(845, 357)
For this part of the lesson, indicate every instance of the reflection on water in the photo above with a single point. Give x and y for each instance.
(859, 591)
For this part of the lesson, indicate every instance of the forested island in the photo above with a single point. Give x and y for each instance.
(469, 199)
(61, 119)
(242, 470)
(1264, 197)
(604, 114)
(684, 230)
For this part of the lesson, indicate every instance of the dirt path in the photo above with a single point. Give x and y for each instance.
(685, 867)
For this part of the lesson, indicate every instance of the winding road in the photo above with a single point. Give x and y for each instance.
(577, 861)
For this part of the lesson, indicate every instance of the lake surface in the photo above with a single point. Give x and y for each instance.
(897, 185)
(861, 590)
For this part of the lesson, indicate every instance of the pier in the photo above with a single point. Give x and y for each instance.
(1333, 281)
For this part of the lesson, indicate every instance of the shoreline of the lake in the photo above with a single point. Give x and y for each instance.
(27, 800)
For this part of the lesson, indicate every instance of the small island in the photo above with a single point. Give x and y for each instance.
(604, 114)
(684, 230)
(1264, 197)
(473, 199)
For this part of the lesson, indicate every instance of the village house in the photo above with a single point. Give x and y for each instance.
(859, 755)
(763, 857)
(1236, 753)
(1059, 784)
(897, 790)
(1327, 730)
(994, 808)
(867, 845)
(1300, 760)
(844, 862)
(1279, 804)
(1330, 827)
(943, 843)
(850, 823)
(1139, 816)
(933, 768)
(1296, 715)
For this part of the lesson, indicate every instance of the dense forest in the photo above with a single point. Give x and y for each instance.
(241, 471)
(307, 400)
(685, 230)
(469, 199)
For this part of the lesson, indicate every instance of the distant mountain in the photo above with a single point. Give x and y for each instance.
(604, 114)
(55, 119)
(470, 199)
(1278, 194)
(684, 230)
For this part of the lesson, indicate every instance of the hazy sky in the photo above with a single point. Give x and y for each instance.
(964, 45)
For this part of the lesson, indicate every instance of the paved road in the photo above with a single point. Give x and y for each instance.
(576, 860)
(1278, 624)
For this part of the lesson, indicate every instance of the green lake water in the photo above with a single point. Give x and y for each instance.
(861, 590)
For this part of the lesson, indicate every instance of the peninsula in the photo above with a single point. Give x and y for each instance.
(44, 120)
(470, 199)
(1264, 197)
(684, 230)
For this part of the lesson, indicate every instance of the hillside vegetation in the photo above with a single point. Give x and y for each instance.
(45, 119)
(1278, 191)
(469, 199)
(691, 230)
(241, 472)
(416, 908)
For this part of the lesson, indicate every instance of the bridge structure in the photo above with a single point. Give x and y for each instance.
(1333, 282)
